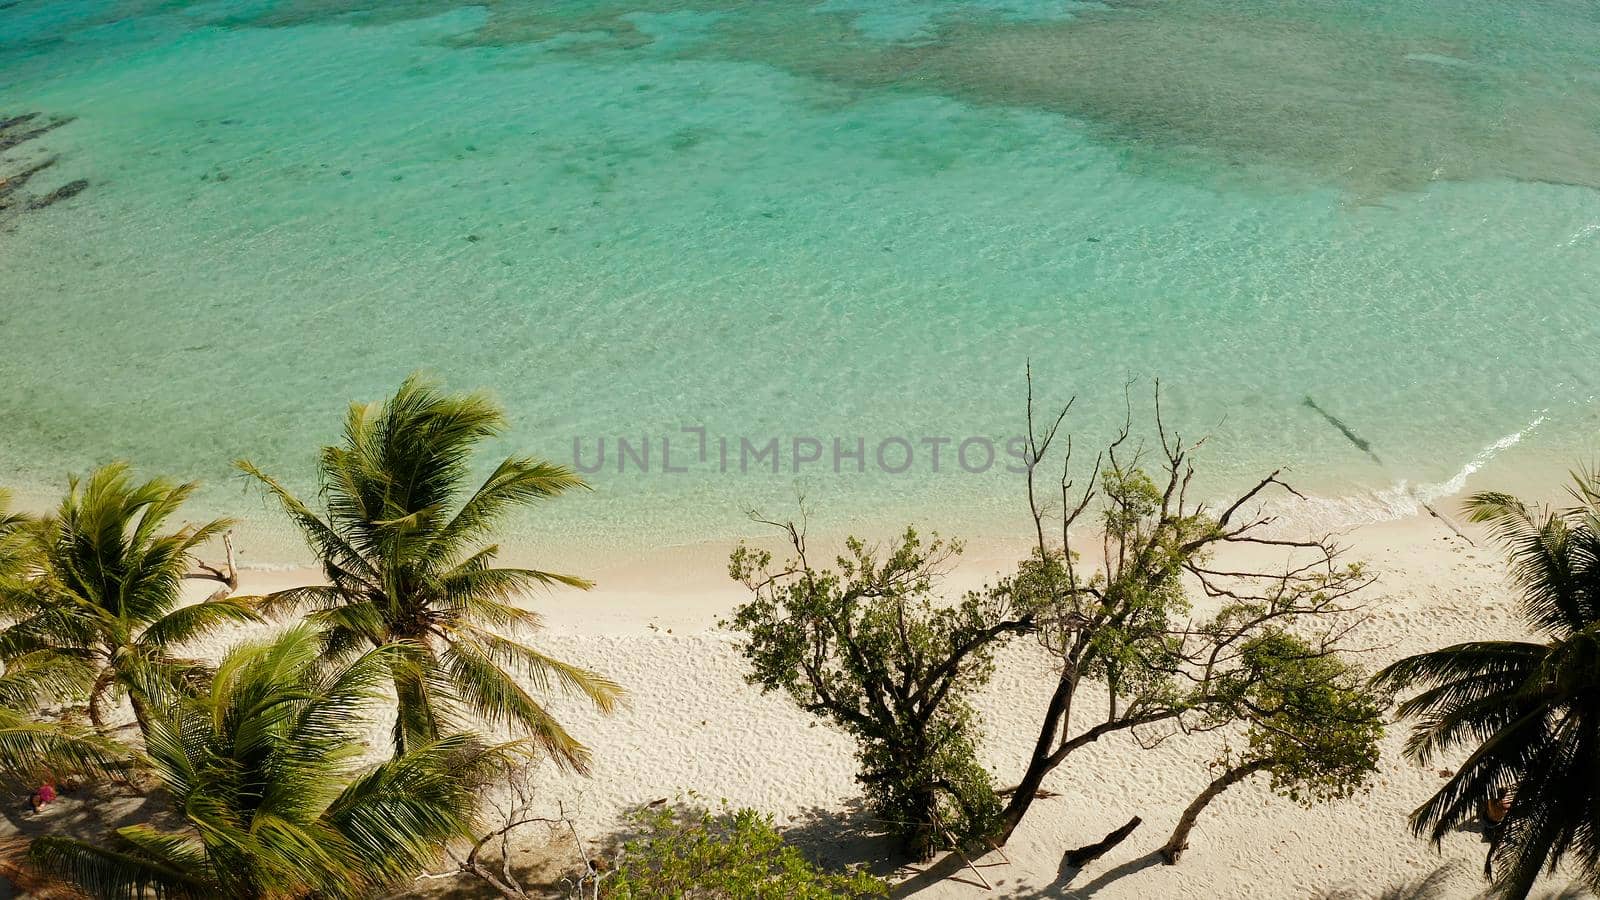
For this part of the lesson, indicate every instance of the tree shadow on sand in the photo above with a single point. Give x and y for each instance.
(952, 868)
(1067, 874)
(838, 839)
(851, 837)
(89, 813)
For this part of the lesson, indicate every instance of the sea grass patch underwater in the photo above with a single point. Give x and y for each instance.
(1372, 97)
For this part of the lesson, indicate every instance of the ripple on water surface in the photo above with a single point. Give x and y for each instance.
(839, 219)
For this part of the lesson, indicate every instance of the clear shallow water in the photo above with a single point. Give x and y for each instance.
(847, 218)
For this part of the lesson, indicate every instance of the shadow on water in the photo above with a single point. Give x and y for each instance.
(1360, 442)
(20, 131)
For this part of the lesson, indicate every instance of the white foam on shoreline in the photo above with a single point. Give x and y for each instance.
(271, 566)
(1400, 500)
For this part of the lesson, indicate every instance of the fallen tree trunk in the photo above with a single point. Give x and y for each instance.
(1090, 852)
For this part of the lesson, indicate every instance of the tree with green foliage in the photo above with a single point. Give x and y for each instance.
(34, 748)
(105, 585)
(261, 766)
(401, 542)
(1123, 622)
(1313, 726)
(1527, 711)
(870, 648)
(16, 550)
(687, 851)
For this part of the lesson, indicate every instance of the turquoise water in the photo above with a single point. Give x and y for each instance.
(848, 218)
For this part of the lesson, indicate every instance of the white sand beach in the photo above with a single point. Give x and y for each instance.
(694, 725)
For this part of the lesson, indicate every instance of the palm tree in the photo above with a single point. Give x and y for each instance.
(262, 770)
(400, 542)
(1529, 711)
(16, 556)
(108, 584)
(33, 748)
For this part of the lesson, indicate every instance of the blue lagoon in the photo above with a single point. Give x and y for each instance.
(849, 220)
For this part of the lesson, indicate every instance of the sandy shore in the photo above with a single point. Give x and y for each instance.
(693, 724)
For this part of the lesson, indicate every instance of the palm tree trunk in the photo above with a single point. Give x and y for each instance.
(141, 712)
(1179, 841)
(102, 683)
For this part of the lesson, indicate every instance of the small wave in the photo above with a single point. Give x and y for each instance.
(272, 566)
(1583, 233)
(1439, 59)
(1398, 501)
(1458, 481)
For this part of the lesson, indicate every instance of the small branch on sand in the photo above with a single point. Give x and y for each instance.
(514, 811)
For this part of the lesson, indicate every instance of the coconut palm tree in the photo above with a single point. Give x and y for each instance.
(16, 551)
(401, 540)
(1529, 711)
(262, 769)
(107, 584)
(33, 748)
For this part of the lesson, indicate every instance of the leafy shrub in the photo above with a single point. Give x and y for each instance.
(872, 647)
(691, 853)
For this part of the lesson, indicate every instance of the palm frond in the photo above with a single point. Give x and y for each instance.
(1466, 660)
(1501, 759)
(516, 481)
(32, 750)
(41, 677)
(1556, 579)
(494, 696)
(544, 671)
(109, 873)
(474, 579)
(323, 540)
(399, 815)
(198, 620)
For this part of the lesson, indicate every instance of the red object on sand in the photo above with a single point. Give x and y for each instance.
(47, 793)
